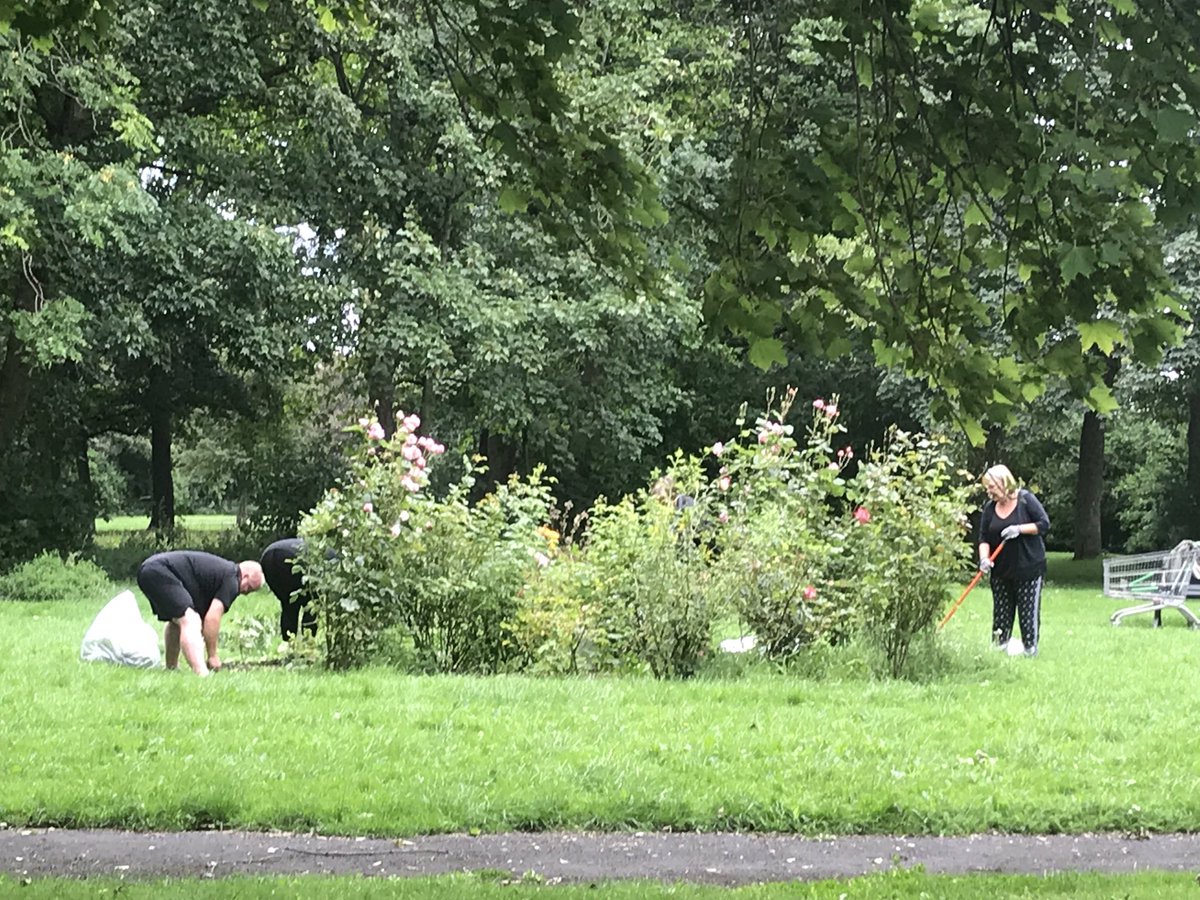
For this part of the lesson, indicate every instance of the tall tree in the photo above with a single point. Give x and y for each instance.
(891, 162)
(69, 126)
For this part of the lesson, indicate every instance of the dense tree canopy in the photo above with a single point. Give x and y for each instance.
(519, 216)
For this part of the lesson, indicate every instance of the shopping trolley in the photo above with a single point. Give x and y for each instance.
(1160, 580)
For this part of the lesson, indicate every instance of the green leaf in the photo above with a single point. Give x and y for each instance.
(1100, 398)
(864, 69)
(260, 5)
(766, 352)
(975, 216)
(1102, 334)
(512, 200)
(974, 431)
(1110, 31)
(1077, 261)
(1174, 124)
(798, 241)
(767, 232)
(326, 19)
(886, 354)
(1059, 14)
(838, 346)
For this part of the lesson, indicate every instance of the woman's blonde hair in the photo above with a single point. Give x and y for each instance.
(1002, 478)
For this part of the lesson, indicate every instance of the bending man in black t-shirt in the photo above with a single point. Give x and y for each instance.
(285, 583)
(191, 591)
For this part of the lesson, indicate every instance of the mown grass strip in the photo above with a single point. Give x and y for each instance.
(876, 887)
(199, 522)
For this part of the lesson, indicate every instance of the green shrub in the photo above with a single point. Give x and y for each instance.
(814, 559)
(651, 591)
(638, 595)
(784, 553)
(382, 554)
(555, 626)
(52, 577)
(462, 572)
(908, 544)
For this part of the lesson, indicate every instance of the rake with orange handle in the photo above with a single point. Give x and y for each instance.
(970, 587)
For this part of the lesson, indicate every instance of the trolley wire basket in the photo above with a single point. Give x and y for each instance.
(1159, 580)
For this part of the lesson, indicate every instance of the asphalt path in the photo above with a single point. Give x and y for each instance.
(726, 859)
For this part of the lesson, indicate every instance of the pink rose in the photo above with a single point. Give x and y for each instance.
(395, 529)
(412, 423)
(404, 516)
(409, 484)
(375, 432)
(862, 514)
(411, 452)
(809, 592)
(818, 403)
(724, 482)
(718, 448)
(831, 410)
(723, 517)
(368, 507)
(364, 422)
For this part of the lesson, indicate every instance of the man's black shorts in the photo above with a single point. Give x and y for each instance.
(168, 597)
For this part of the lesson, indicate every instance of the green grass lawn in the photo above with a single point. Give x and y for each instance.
(1152, 886)
(192, 523)
(1086, 737)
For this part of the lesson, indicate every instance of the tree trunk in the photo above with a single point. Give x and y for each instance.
(1192, 500)
(16, 374)
(382, 396)
(501, 455)
(1089, 488)
(427, 404)
(87, 488)
(162, 477)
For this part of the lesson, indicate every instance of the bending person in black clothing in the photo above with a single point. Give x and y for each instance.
(285, 583)
(1017, 518)
(191, 591)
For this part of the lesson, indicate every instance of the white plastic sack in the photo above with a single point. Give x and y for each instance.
(119, 635)
(739, 645)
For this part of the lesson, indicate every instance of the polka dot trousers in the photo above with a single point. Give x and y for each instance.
(1022, 598)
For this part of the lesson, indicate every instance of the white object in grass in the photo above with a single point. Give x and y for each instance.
(1014, 647)
(739, 645)
(119, 635)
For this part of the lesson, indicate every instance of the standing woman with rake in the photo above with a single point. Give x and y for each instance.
(1016, 517)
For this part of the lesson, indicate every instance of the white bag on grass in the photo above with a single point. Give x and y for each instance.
(119, 635)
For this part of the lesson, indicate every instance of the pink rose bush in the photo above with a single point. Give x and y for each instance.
(807, 528)
(386, 555)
